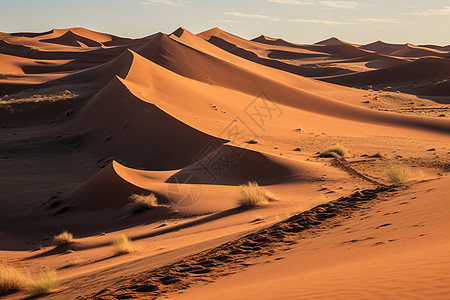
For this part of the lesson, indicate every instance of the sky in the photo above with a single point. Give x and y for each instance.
(301, 21)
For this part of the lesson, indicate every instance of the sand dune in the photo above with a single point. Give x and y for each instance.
(149, 132)
(383, 47)
(333, 41)
(424, 69)
(272, 41)
(416, 51)
(89, 119)
(71, 39)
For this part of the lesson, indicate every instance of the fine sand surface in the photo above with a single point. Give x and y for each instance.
(88, 119)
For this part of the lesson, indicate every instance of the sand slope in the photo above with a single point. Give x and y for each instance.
(383, 252)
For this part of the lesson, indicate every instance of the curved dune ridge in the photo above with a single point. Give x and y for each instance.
(423, 69)
(283, 90)
(123, 126)
(335, 56)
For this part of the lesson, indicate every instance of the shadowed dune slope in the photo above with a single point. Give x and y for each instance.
(244, 165)
(422, 69)
(121, 125)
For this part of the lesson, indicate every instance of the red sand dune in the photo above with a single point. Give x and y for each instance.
(334, 41)
(141, 126)
(190, 118)
(71, 39)
(415, 51)
(383, 47)
(272, 41)
(419, 70)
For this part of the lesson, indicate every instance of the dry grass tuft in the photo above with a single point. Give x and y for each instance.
(64, 237)
(11, 280)
(141, 202)
(335, 151)
(122, 245)
(44, 285)
(252, 195)
(397, 173)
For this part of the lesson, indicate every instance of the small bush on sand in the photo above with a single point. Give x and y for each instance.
(252, 195)
(64, 237)
(44, 285)
(398, 173)
(122, 245)
(11, 280)
(141, 202)
(335, 151)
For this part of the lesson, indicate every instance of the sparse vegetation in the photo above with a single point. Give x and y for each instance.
(29, 96)
(398, 173)
(122, 245)
(141, 202)
(335, 151)
(11, 280)
(64, 237)
(252, 195)
(44, 285)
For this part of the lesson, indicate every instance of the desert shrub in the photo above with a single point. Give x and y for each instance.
(335, 151)
(64, 237)
(122, 245)
(44, 285)
(252, 195)
(141, 202)
(398, 173)
(11, 280)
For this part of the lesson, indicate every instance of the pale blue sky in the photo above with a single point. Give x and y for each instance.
(303, 21)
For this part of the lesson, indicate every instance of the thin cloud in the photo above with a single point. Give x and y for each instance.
(292, 2)
(340, 4)
(325, 22)
(249, 16)
(377, 20)
(173, 3)
(444, 11)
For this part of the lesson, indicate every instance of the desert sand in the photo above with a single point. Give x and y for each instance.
(88, 119)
